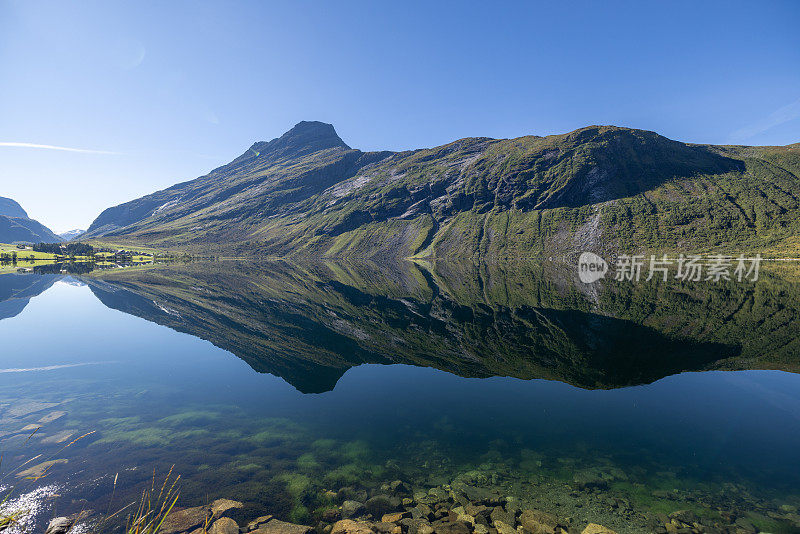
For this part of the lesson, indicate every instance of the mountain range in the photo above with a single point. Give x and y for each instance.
(599, 188)
(17, 227)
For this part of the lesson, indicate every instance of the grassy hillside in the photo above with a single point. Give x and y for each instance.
(26, 253)
(600, 188)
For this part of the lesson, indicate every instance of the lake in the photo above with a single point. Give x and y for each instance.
(292, 388)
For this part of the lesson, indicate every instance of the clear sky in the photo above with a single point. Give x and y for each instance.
(155, 93)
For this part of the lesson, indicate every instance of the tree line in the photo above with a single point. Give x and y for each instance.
(70, 249)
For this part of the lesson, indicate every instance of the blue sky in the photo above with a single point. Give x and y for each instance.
(161, 92)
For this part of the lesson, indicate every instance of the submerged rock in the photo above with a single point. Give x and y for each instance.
(275, 526)
(52, 416)
(454, 528)
(504, 528)
(352, 509)
(185, 520)
(331, 515)
(393, 517)
(478, 495)
(224, 525)
(221, 507)
(422, 511)
(500, 515)
(348, 526)
(594, 528)
(381, 504)
(538, 522)
(40, 469)
(258, 522)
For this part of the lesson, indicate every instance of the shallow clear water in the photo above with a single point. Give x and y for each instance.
(703, 438)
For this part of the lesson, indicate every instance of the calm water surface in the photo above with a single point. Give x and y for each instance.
(374, 390)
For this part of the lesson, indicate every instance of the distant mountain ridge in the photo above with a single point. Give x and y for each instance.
(17, 227)
(600, 188)
(71, 234)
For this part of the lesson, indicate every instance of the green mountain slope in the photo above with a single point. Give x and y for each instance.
(600, 188)
(16, 227)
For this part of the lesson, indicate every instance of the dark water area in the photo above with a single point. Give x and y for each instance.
(291, 387)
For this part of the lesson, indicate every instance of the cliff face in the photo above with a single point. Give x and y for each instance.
(600, 188)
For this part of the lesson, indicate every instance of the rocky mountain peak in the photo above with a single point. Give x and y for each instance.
(11, 208)
(306, 137)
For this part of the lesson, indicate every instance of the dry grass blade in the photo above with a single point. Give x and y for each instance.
(153, 508)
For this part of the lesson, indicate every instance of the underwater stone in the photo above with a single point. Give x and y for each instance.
(331, 515)
(184, 520)
(398, 487)
(422, 511)
(222, 506)
(538, 522)
(435, 495)
(417, 526)
(40, 469)
(500, 515)
(52, 416)
(224, 525)
(393, 517)
(381, 504)
(504, 528)
(456, 528)
(352, 509)
(276, 526)
(348, 526)
(594, 528)
(258, 522)
(382, 527)
(478, 495)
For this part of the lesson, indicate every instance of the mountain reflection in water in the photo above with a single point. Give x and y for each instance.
(309, 324)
